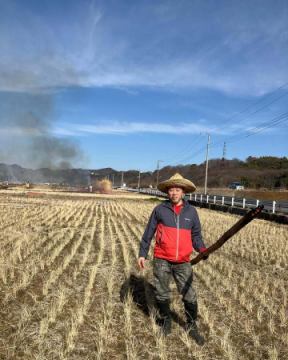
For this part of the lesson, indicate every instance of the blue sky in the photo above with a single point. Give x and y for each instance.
(132, 82)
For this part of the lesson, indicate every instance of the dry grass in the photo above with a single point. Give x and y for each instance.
(70, 287)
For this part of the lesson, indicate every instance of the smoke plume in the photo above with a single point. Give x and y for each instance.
(27, 133)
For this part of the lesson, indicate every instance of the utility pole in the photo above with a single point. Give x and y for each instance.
(158, 169)
(206, 171)
(224, 151)
(122, 179)
(139, 176)
(112, 180)
(222, 163)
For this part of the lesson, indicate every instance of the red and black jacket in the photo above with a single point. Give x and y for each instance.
(176, 234)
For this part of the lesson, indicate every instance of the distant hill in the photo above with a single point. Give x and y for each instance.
(267, 171)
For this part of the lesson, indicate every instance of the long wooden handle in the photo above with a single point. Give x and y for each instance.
(229, 233)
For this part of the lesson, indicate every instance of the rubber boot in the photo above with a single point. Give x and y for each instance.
(165, 316)
(191, 310)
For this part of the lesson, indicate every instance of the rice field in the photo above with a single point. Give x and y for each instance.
(71, 288)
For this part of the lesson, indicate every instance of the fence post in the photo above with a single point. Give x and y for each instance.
(222, 200)
(214, 200)
(257, 202)
(244, 202)
(190, 196)
(207, 199)
(273, 206)
(201, 196)
(232, 201)
(195, 197)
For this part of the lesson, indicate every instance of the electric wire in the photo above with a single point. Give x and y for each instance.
(241, 112)
(192, 144)
(255, 130)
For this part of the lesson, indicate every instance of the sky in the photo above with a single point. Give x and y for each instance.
(124, 84)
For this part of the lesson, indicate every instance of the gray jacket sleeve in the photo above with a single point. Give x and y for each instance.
(197, 240)
(148, 234)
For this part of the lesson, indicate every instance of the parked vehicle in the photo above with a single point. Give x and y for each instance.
(236, 186)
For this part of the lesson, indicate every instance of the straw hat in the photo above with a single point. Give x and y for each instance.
(178, 181)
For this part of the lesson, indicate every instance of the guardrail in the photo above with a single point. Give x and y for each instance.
(270, 206)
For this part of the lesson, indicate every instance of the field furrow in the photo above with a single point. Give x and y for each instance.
(28, 245)
(70, 286)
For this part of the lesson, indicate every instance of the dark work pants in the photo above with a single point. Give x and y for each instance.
(182, 274)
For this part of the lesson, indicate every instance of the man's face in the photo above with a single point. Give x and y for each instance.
(175, 194)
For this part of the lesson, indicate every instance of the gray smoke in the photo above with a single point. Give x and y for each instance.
(27, 133)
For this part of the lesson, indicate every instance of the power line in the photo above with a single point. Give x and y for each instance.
(191, 145)
(266, 124)
(271, 102)
(274, 123)
(190, 156)
(256, 103)
(267, 96)
(257, 129)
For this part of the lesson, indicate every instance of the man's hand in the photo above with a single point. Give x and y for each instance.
(141, 262)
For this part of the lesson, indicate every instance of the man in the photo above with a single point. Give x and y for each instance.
(178, 231)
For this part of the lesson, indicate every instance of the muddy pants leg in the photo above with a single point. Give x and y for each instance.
(183, 276)
(162, 276)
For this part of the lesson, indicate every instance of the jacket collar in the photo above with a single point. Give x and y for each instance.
(168, 203)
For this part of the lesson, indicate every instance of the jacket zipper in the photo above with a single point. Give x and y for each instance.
(177, 221)
(177, 244)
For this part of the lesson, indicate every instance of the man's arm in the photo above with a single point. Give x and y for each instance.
(148, 235)
(197, 241)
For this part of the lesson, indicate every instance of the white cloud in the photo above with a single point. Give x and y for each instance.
(130, 128)
(126, 128)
